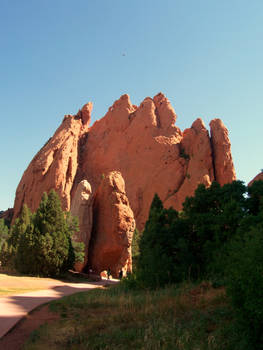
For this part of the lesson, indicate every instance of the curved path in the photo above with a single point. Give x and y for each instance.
(14, 308)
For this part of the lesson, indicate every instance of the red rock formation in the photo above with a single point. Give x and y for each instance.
(224, 167)
(256, 178)
(113, 227)
(7, 215)
(142, 143)
(55, 165)
(195, 149)
(81, 207)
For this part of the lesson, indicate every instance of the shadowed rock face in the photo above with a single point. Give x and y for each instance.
(113, 227)
(81, 206)
(142, 143)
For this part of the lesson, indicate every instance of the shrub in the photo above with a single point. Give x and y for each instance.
(183, 154)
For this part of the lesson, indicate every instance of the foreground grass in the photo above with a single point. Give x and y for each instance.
(190, 317)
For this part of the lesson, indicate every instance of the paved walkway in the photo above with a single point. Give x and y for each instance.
(15, 307)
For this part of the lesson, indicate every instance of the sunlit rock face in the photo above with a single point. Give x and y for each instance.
(142, 143)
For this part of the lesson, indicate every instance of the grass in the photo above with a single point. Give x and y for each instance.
(13, 291)
(18, 283)
(189, 317)
(11, 285)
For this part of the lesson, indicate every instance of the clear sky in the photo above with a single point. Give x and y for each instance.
(206, 56)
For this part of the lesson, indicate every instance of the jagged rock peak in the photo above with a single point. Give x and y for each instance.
(123, 104)
(221, 146)
(165, 110)
(86, 113)
(198, 125)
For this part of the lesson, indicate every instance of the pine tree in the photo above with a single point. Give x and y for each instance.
(20, 226)
(157, 247)
(45, 248)
(3, 232)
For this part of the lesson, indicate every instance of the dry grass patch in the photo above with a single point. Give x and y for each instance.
(173, 318)
(11, 285)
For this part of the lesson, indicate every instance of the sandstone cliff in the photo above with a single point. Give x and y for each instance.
(142, 143)
(55, 165)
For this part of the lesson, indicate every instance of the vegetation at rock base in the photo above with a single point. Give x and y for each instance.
(41, 243)
(197, 284)
(218, 236)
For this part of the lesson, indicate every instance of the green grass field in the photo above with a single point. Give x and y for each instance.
(190, 317)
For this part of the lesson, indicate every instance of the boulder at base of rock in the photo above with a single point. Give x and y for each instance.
(113, 227)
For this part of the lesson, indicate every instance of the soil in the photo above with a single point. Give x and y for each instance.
(18, 335)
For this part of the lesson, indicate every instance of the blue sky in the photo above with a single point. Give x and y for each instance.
(204, 55)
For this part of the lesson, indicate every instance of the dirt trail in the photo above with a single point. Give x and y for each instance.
(16, 319)
(15, 339)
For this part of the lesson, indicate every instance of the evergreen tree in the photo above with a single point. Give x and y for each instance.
(215, 214)
(4, 248)
(157, 247)
(255, 198)
(245, 285)
(20, 226)
(4, 232)
(46, 248)
(193, 244)
(135, 248)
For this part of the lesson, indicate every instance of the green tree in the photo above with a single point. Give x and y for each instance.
(4, 232)
(20, 226)
(45, 248)
(157, 247)
(193, 244)
(135, 248)
(214, 214)
(255, 198)
(245, 285)
(5, 253)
